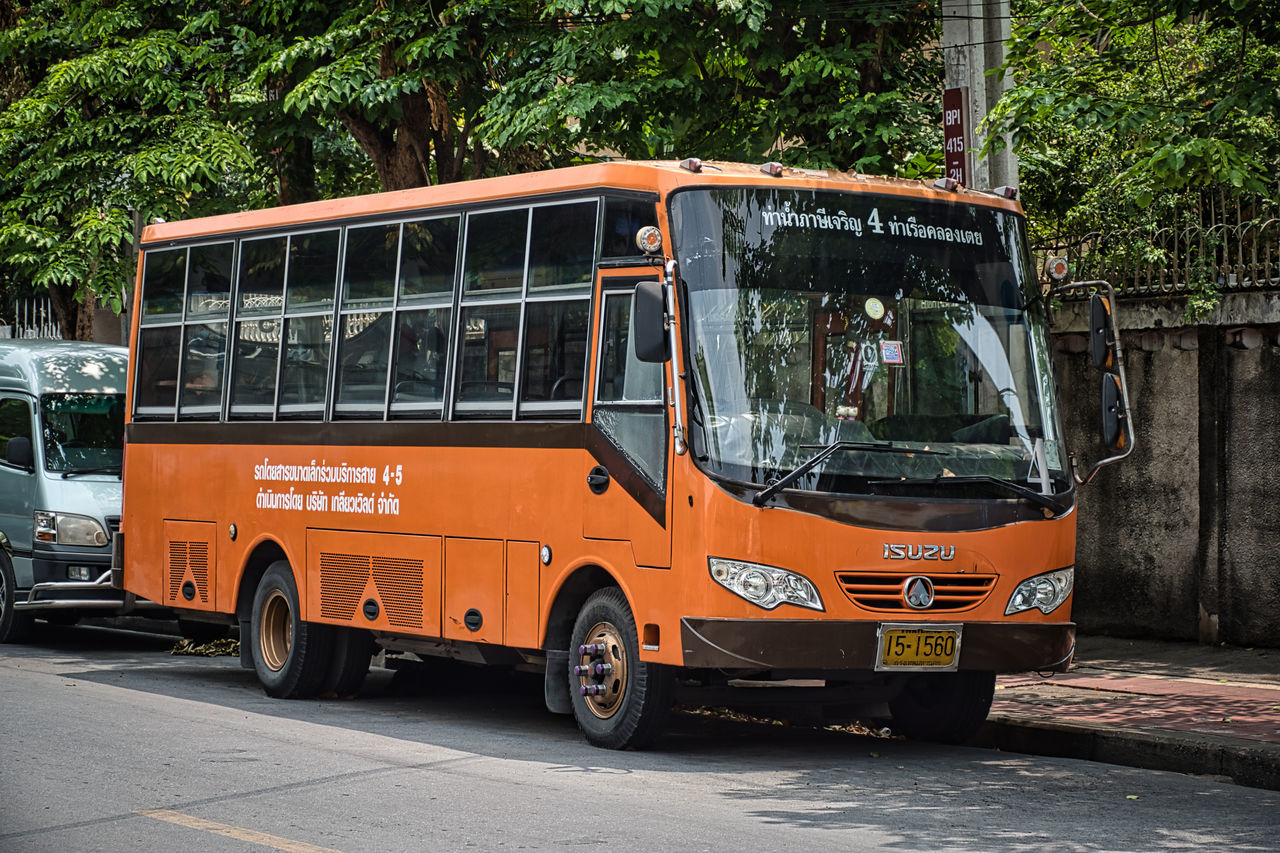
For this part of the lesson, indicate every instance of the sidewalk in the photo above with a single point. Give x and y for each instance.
(1183, 707)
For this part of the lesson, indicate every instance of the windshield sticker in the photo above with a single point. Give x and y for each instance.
(891, 352)
(911, 228)
(841, 221)
(874, 308)
(837, 221)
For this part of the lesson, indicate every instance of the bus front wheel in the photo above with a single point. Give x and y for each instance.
(618, 700)
(290, 656)
(948, 707)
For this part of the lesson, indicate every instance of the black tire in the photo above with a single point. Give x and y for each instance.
(634, 698)
(290, 656)
(947, 707)
(15, 627)
(349, 663)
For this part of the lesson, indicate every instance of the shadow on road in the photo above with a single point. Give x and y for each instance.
(828, 779)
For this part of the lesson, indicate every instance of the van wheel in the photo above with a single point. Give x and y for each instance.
(948, 707)
(618, 700)
(349, 663)
(290, 656)
(15, 627)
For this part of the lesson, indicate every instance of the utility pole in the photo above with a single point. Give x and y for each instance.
(974, 33)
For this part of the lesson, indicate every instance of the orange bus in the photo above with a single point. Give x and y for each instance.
(659, 430)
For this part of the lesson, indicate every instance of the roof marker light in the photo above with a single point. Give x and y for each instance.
(693, 164)
(1006, 192)
(649, 240)
(950, 184)
(1059, 269)
(773, 169)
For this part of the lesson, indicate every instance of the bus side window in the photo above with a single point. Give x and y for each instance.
(629, 408)
(364, 337)
(363, 356)
(421, 357)
(156, 391)
(555, 354)
(259, 302)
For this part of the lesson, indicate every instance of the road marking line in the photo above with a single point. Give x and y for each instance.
(236, 832)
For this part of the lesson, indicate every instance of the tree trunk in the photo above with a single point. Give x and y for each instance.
(75, 318)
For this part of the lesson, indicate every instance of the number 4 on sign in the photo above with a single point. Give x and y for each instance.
(388, 475)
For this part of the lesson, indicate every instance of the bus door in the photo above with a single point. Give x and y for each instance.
(627, 471)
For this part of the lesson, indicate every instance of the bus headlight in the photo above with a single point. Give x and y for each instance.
(1043, 592)
(765, 586)
(62, 529)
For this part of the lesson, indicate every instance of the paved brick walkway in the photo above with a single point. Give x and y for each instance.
(1224, 708)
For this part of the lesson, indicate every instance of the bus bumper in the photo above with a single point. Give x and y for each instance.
(792, 644)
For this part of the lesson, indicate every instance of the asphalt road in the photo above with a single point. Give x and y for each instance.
(111, 744)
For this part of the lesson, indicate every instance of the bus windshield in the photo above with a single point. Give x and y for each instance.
(823, 317)
(83, 433)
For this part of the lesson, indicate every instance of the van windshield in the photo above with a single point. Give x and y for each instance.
(82, 432)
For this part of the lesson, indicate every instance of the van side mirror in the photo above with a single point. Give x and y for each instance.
(1102, 345)
(649, 321)
(1113, 414)
(18, 452)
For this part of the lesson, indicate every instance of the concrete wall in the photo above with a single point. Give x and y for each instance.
(1182, 539)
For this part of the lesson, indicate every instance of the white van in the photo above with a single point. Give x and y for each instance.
(61, 448)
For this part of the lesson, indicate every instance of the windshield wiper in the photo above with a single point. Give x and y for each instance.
(103, 469)
(763, 496)
(1046, 501)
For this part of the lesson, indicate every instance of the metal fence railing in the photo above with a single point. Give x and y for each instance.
(1222, 257)
(31, 318)
(1203, 242)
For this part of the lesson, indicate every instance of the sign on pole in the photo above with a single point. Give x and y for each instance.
(955, 133)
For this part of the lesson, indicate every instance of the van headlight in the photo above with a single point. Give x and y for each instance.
(765, 586)
(1043, 592)
(61, 528)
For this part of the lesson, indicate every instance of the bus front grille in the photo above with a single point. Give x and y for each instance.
(884, 593)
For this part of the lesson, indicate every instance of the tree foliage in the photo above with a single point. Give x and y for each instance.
(1123, 107)
(442, 91)
(124, 110)
(110, 110)
(813, 84)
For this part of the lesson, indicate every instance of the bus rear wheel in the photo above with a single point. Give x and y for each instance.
(948, 707)
(290, 656)
(618, 700)
(349, 664)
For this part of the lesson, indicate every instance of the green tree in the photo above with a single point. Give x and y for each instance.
(1123, 108)
(115, 114)
(112, 111)
(847, 86)
(443, 91)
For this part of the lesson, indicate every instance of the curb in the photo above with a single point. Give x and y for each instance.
(1251, 763)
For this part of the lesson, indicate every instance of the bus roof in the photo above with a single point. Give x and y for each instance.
(62, 367)
(652, 176)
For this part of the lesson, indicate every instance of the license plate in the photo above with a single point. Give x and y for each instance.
(935, 648)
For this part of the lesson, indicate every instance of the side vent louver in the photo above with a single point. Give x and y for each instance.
(395, 582)
(192, 558)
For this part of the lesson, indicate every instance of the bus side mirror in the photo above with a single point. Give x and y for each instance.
(18, 452)
(1101, 342)
(649, 319)
(1113, 433)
